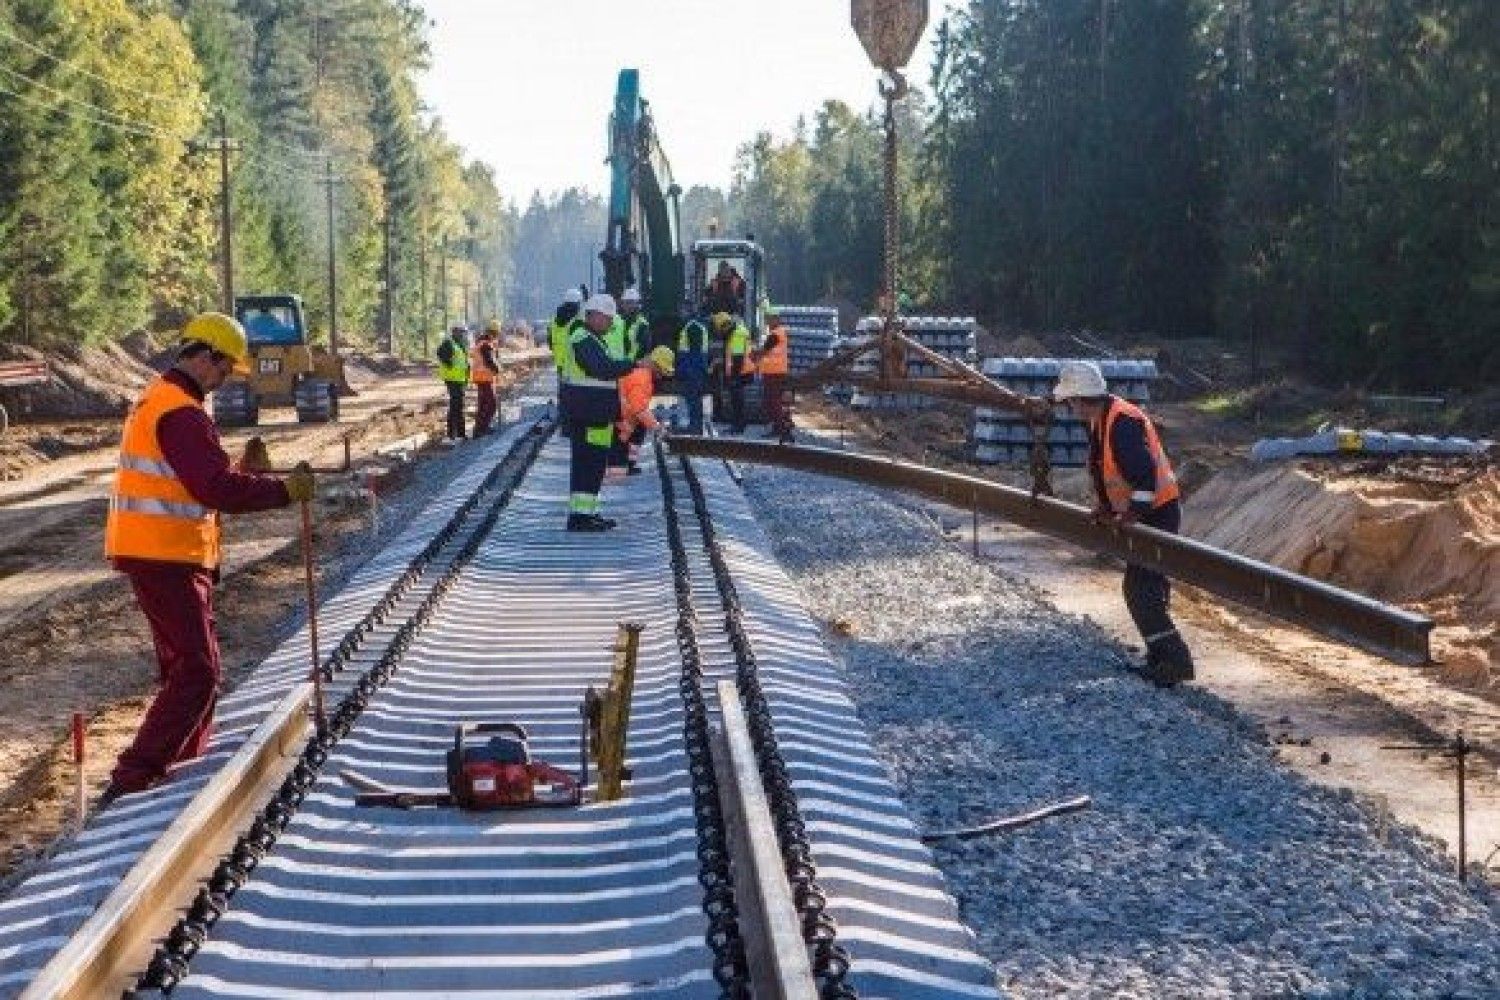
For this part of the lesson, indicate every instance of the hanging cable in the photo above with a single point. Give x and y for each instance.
(74, 67)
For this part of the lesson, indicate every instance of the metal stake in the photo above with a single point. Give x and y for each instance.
(312, 616)
(1459, 749)
(974, 506)
(80, 799)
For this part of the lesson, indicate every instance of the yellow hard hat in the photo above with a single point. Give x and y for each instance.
(663, 359)
(222, 333)
(722, 321)
(493, 326)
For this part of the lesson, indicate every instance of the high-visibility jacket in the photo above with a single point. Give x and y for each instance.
(457, 368)
(636, 391)
(737, 351)
(617, 339)
(591, 399)
(151, 513)
(557, 338)
(775, 355)
(481, 372)
(1118, 490)
(637, 337)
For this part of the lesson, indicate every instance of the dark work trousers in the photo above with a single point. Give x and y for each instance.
(485, 414)
(177, 600)
(588, 462)
(619, 453)
(455, 409)
(736, 385)
(1147, 594)
(693, 387)
(772, 387)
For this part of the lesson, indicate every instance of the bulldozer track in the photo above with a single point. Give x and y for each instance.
(499, 615)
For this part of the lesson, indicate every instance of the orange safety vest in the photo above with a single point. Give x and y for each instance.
(479, 372)
(151, 514)
(636, 390)
(1117, 490)
(776, 360)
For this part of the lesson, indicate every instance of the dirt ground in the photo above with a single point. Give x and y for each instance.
(73, 638)
(1423, 536)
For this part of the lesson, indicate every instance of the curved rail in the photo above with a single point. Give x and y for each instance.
(1351, 618)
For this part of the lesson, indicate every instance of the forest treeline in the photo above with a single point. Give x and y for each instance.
(110, 118)
(1313, 179)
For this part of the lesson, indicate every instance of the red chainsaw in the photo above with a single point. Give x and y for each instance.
(497, 773)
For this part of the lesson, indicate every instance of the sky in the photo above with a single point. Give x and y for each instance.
(527, 85)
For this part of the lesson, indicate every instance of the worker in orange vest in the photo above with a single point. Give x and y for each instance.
(1134, 483)
(636, 392)
(484, 366)
(773, 360)
(162, 532)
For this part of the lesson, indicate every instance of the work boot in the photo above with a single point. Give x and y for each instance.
(1169, 663)
(633, 469)
(586, 522)
(608, 522)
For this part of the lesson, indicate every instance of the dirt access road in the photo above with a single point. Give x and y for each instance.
(72, 637)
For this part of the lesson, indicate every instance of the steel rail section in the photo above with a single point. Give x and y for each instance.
(164, 876)
(893, 912)
(45, 910)
(779, 969)
(1351, 618)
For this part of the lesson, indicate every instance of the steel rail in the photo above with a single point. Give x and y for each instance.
(1393, 633)
(779, 969)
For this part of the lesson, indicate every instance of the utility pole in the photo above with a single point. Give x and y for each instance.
(223, 145)
(333, 274)
(422, 281)
(388, 312)
(443, 280)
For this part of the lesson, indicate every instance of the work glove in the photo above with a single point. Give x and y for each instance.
(300, 484)
(256, 459)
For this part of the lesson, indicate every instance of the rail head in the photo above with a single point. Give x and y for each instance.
(1348, 617)
(774, 948)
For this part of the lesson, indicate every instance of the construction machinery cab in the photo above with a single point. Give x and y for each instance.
(727, 278)
(285, 370)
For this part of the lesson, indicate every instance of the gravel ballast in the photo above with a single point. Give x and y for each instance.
(1205, 868)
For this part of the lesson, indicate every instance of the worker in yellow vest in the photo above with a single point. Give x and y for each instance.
(1134, 483)
(453, 369)
(162, 532)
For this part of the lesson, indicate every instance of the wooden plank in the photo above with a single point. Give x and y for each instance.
(774, 949)
(106, 948)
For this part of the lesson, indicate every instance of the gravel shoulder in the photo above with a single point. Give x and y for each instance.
(1206, 867)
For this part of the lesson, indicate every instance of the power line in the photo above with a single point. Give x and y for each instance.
(64, 64)
(43, 102)
(130, 123)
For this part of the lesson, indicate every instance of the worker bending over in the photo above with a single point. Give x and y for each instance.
(453, 369)
(171, 482)
(484, 363)
(637, 389)
(590, 406)
(737, 368)
(1134, 482)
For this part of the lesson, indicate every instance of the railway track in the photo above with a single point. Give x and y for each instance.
(484, 610)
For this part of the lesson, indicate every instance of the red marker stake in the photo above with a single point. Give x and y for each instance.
(80, 804)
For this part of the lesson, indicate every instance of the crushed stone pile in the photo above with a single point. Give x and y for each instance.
(1204, 869)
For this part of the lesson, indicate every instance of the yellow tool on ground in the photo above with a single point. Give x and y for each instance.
(608, 714)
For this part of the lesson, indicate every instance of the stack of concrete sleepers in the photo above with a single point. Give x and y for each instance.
(950, 336)
(1003, 437)
(812, 332)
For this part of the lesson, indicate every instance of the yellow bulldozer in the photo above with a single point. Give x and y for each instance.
(285, 370)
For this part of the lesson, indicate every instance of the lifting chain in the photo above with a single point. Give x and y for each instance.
(830, 961)
(169, 965)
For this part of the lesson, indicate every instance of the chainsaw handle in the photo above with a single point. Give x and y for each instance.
(514, 728)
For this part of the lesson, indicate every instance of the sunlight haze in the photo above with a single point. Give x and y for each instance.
(527, 86)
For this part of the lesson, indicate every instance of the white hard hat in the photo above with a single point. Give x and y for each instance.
(601, 303)
(572, 296)
(631, 294)
(1079, 380)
